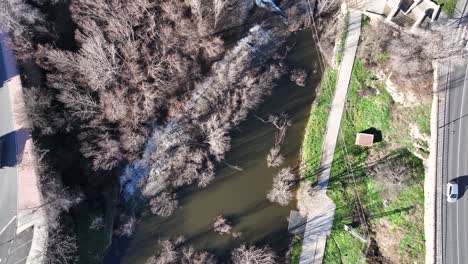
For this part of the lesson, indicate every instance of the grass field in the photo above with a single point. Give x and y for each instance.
(448, 6)
(315, 130)
(358, 197)
(296, 249)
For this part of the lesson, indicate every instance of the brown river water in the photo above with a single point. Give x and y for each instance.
(241, 195)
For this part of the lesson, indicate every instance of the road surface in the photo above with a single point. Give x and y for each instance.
(455, 164)
(14, 248)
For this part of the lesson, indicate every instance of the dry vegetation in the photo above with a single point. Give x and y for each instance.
(151, 75)
(61, 244)
(299, 76)
(150, 70)
(387, 48)
(281, 123)
(282, 190)
(173, 252)
(253, 255)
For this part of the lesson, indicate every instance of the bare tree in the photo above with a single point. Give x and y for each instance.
(38, 111)
(61, 247)
(299, 76)
(164, 204)
(253, 255)
(17, 17)
(127, 227)
(197, 8)
(386, 48)
(281, 123)
(222, 226)
(98, 61)
(167, 254)
(218, 7)
(190, 256)
(281, 191)
(274, 157)
(61, 244)
(171, 252)
(97, 223)
(326, 6)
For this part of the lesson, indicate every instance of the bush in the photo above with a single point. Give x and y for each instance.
(253, 255)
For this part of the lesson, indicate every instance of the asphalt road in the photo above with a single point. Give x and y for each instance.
(455, 215)
(8, 186)
(13, 248)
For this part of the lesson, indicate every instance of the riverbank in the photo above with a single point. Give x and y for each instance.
(240, 195)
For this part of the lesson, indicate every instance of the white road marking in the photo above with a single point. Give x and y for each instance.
(20, 246)
(460, 125)
(21, 260)
(9, 223)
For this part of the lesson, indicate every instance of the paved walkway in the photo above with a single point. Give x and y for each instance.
(318, 225)
(339, 99)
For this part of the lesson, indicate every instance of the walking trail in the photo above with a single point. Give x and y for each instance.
(318, 225)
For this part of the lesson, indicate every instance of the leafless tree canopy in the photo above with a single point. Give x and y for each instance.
(327, 6)
(253, 255)
(18, 18)
(387, 48)
(281, 123)
(282, 190)
(61, 247)
(97, 223)
(127, 228)
(61, 244)
(173, 252)
(135, 61)
(146, 69)
(299, 76)
(394, 174)
(274, 157)
(222, 226)
(191, 142)
(164, 204)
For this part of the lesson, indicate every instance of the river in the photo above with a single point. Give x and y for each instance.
(241, 195)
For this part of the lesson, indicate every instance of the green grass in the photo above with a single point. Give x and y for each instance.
(383, 57)
(423, 118)
(448, 6)
(296, 249)
(372, 111)
(362, 113)
(315, 130)
(365, 21)
(344, 34)
(412, 244)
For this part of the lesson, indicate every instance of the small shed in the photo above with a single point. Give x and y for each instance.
(364, 139)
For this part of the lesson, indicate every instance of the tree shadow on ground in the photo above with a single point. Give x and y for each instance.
(13, 147)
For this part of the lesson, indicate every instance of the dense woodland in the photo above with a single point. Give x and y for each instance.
(118, 77)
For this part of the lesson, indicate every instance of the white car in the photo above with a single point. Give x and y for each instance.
(452, 192)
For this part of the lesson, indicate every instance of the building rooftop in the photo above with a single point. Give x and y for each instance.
(363, 139)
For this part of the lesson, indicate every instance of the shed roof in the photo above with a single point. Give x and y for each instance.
(364, 139)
